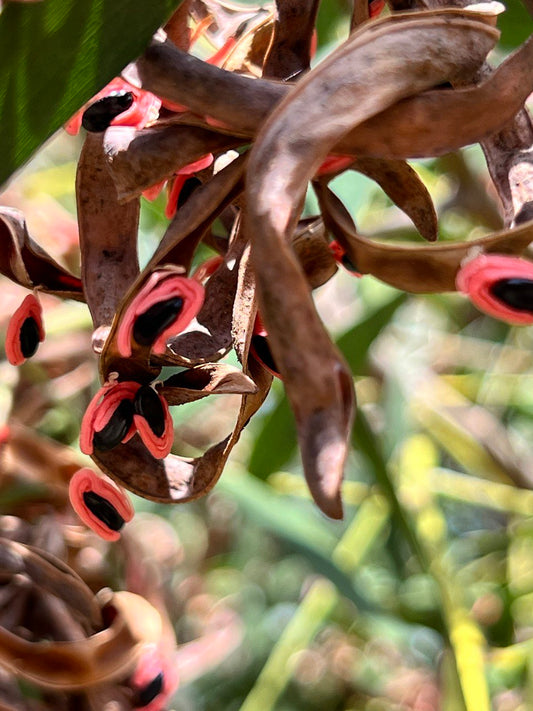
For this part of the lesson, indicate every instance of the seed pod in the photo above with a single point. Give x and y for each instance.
(116, 428)
(25, 331)
(151, 324)
(516, 293)
(147, 404)
(97, 118)
(100, 504)
(499, 285)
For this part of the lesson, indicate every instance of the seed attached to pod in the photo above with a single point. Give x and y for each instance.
(260, 348)
(154, 679)
(100, 504)
(153, 421)
(118, 104)
(98, 116)
(156, 319)
(116, 428)
(516, 293)
(103, 510)
(25, 331)
(189, 186)
(108, 419)
(147, 404)
(162, 308)
(342, 258)
(149, 692)
(29, 337)
(499, 285)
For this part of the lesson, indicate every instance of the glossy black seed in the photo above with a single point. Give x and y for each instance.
(148, 405)
(29, 337)
(152, 322)
(116, 429)
(103, 510)
(348, 264)
(263, 352)
(99, 115)
(516, 293)
(150, 691)
(187, 189)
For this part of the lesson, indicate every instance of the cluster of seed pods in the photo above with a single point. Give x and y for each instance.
(237, 138)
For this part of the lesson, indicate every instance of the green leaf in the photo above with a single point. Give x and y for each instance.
(55, 55)
(276, 442)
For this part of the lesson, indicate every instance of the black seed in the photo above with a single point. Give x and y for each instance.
(348, 264)
(151, 323)
(148, 404)
(29, 337)
(150, 691)
(263, 352)
(103, 510)
(100, 114)
(516, 293)
(116, 429)
(187, 189)
(524, 214)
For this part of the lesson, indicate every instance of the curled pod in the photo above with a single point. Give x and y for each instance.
(500, 286)
(100, 504)
(153, 421)
(163, 307)
(260, 348)
(108, 420)
(25, 331)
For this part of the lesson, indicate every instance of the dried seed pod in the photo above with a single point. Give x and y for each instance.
(100, 504)
(97, 118)
(25, 331)
(499, 285)
(163, 307)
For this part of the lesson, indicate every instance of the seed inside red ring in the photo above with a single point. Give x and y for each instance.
(103, 510)
(515, 292)
(149, 692)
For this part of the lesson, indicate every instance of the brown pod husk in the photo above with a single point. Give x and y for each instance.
(23, 261)
(108, 234)
(414, 268)
(285, 156)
